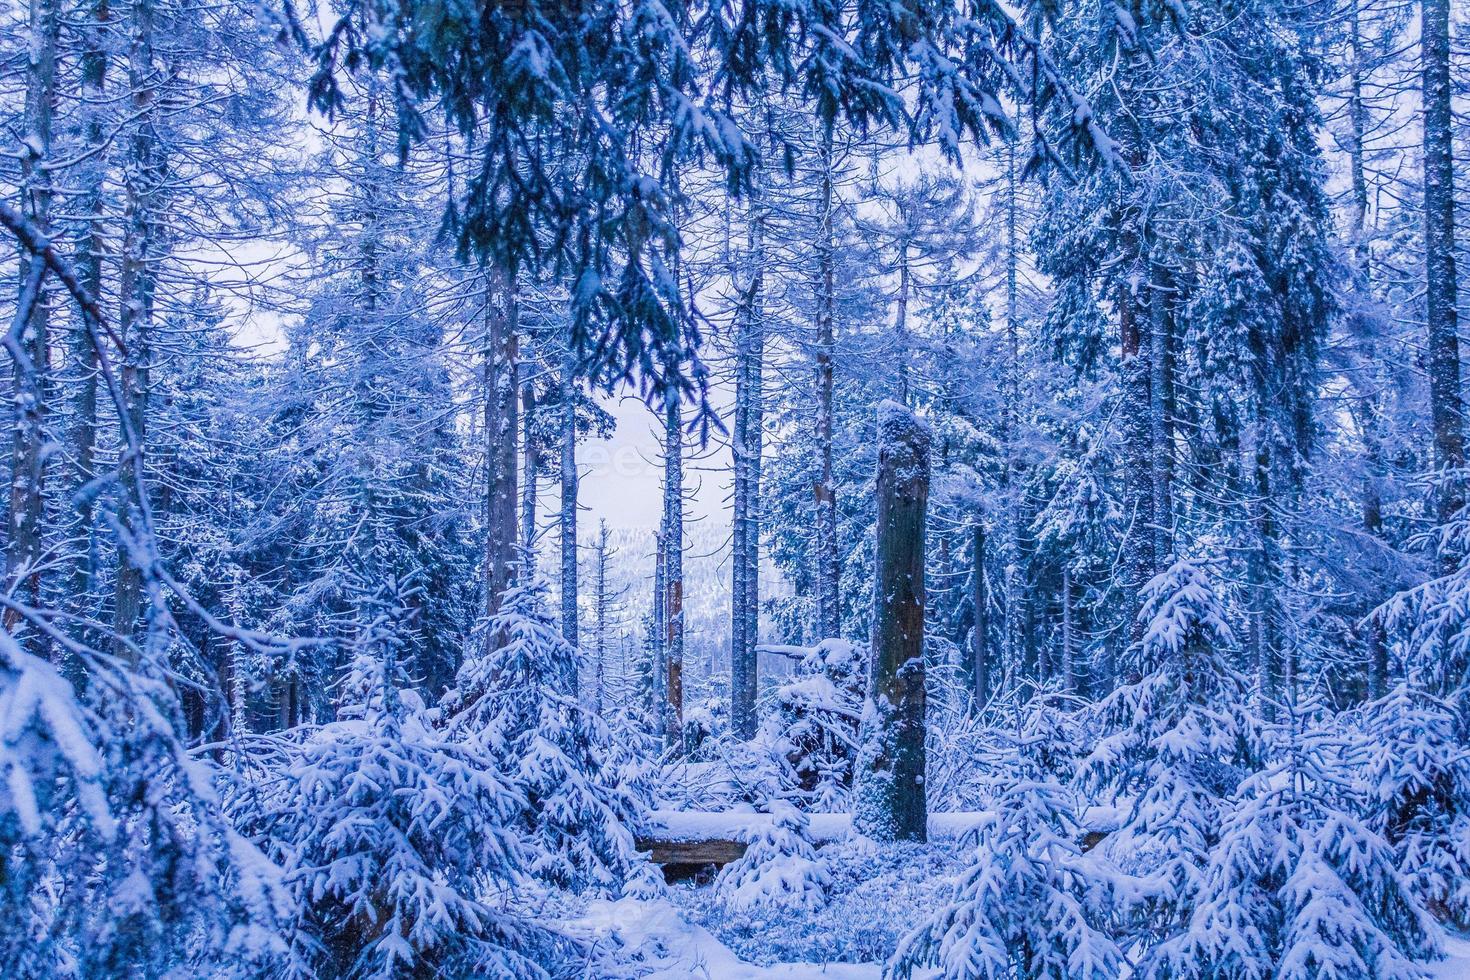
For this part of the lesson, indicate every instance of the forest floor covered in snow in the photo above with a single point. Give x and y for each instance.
(877, 894)
(677, 939)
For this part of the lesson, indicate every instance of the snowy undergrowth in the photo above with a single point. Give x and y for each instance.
(875, 896)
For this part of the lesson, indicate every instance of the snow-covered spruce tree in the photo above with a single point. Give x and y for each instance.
(397, 842)
(511, 703)
(114, 858)
(779, 871)
(1298, 886)
(1416, 778)
(814, 718)
(1175, 744)
(1422, 792)
(1031, 904)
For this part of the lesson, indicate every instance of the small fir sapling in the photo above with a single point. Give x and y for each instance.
(779, 871)
(398, 843)
(814, 722)
(1031, 904)
(1298, 886)
(512, 703)
(112, 838)
(1175, 745)
(1416, 779)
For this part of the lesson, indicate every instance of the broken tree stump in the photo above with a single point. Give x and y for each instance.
(889, 799)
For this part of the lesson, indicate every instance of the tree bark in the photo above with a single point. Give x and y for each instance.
(530, 478)
(674, 569)
(746, 450)
(890, 796)
(569, 489)
(502, 394)
(92, 246)
(142, 186)
(1139, 560)
(824, 490)
(980, 632)
(28, 457)
(1440, 295)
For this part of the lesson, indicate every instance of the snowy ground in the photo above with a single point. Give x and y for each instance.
(672, 948)
(666, 946)
(1456, 964)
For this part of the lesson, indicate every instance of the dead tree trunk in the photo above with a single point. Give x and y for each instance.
(502, 393)
(980, 634)
(746, 449)
(1439, 258)
(569, 492)
(28, 458)
(674, 569)
(824, 489)
(889, 798)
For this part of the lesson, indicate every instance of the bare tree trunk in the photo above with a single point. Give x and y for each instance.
(1370, 415)
(602, 612)
(824, 491)
(1261, 565)
(1068, 667)
(94, 64)
(1440, 295)
(1017, 602)
(142, 186)
(1161, 435)
(674, 569)
(530, 479)
(502, 394)
(980, 634)
(1139, 560)
(889, 795)
(569, 487)
(28, 458)
(746, 450)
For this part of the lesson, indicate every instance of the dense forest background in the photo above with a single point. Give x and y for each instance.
(326, 652)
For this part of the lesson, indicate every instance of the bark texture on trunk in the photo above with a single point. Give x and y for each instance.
(30, 378)
(889, 794)
(569, 493)
(1440, 294)
(502, 397)
(824, 490)
(673, 550)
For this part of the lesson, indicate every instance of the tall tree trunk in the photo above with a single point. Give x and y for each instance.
(502, 395)
(980, 632)
(602, 612)
(674, 569)
(1139, 561)
(1161, 436)
(746, 450)
(889, 793)
(94, 65)
(1262, 578)
(1370, 414)
(569, 486)
(824, 490)
(901, 322)
(142, 188)
(1070, 668)
(530, 478)
(28, 457)
(658, 632)
(1439, 254)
